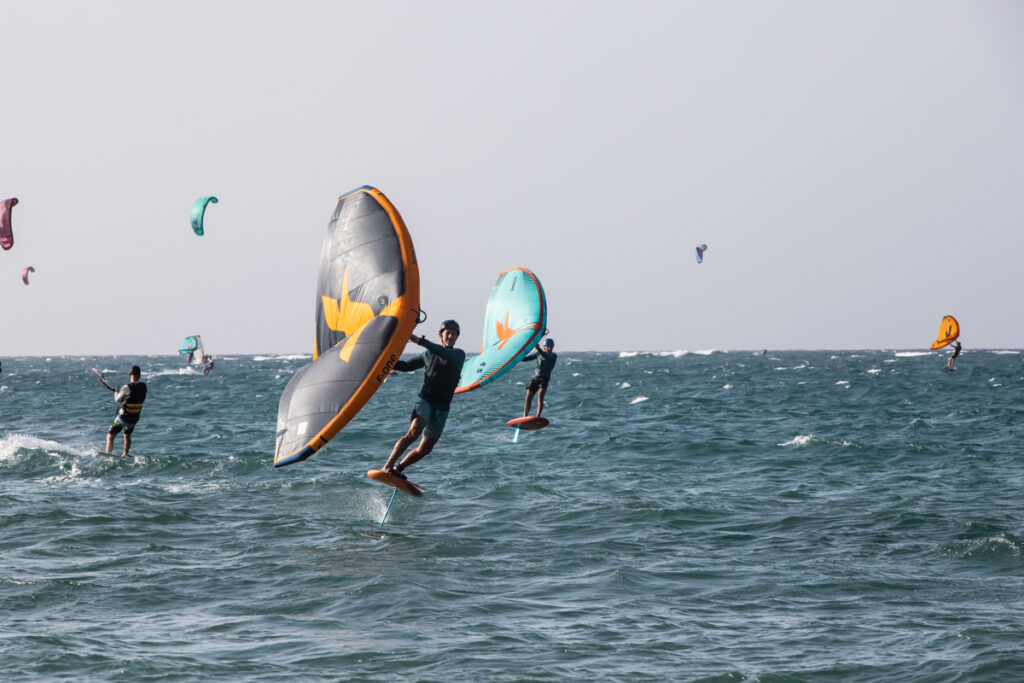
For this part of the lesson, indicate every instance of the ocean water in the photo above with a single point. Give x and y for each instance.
(799, 516)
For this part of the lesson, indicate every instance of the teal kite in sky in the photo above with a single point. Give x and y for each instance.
(199, 211)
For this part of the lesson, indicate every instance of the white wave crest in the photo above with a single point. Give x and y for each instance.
(911, 354)
(638, 399)
(800, 440)
(175, 372)
(678, 353)
(12, 444)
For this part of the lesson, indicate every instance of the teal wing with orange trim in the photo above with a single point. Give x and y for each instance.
(515, 319)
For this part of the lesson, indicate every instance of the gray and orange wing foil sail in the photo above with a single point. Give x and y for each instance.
(367, 303)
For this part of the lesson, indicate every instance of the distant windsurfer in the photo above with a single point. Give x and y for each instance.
(952, 358)
(546, 359)
(443, 363)
(130, 397)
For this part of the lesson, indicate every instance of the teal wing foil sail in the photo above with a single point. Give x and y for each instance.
(367, 303)
(192, 346)
(515, 320)
(189, 344)
(199, 213)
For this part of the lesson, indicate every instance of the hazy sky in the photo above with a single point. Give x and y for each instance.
(855, 168)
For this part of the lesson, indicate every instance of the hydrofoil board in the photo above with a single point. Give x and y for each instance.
(529, 422)
(391, 480)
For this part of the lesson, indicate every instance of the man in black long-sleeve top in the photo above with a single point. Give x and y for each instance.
(444, 366)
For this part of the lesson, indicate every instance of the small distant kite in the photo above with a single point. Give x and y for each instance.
(700, 253)
(24, 273)
(199, 211)
(6, 234)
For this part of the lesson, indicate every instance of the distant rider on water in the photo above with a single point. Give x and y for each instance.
(956, 352)
(546, 359)
(130, 397)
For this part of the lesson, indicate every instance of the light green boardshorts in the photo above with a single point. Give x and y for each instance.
(434, 417)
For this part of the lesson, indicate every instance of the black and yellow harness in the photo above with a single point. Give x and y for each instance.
(131, 404)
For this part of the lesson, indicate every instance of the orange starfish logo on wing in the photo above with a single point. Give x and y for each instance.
(505, 332)
(346, 316)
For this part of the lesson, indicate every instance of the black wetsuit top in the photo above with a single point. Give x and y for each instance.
(956, 349)
(545, 362)
(444, 366)
(131, 396)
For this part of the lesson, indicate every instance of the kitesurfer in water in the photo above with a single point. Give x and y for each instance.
(952, 359)
(546, 359)
(443, 364)
(130, 397)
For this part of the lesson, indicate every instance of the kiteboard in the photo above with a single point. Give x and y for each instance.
(116, 454)
(395, 482)
(529, 422)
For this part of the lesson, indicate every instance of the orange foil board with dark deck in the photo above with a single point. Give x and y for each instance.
(395, 482)
(529, 422)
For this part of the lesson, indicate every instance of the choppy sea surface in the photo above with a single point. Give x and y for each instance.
(795, 516)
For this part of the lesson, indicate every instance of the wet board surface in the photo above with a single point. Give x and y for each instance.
(529, 422)
(395, 482)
